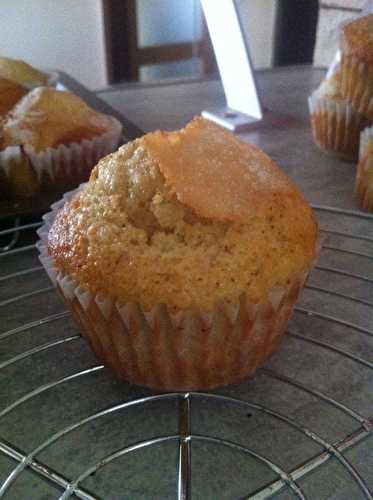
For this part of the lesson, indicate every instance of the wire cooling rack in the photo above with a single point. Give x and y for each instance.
(301, 428)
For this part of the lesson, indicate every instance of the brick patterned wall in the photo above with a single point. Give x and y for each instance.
(331, 14)
(347, 4)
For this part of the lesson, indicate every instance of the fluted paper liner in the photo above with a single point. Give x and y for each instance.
(175, 351)
(364, 173)
(357, 83)
(63, 167)
(336, 126)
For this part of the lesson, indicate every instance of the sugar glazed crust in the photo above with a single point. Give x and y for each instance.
(188, 218)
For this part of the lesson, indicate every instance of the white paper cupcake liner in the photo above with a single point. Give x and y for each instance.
(357, 84)
(336, 126)
(364, 173)
(366, 138)
(65, 166)
(165, 350)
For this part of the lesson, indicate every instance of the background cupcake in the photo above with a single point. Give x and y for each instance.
(22, 73)
(336, 125)
(364, 175)
(50, 141)
(357, 64)
(177, 260)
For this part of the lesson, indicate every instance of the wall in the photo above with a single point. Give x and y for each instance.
(258, 22)
(69, 35)
(331, 14)
(172, 21)
(63, 34)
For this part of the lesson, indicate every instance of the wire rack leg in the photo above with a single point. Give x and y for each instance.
(184, 467)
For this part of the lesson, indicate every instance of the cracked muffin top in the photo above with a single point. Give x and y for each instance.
(188, 218)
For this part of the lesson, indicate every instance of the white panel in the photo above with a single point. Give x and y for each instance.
(232, 57)
(258, 22)
(177, 69)
(162, 22)
(63, 34)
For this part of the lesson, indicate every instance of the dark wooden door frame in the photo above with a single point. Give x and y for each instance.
(295, 31)
(120, 39)
(123, 55)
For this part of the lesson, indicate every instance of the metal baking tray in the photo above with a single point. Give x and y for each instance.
(10, 209)
(301, 428)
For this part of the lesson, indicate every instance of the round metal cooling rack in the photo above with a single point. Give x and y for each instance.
(301, 428)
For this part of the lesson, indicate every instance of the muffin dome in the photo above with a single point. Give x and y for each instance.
(358, 38)
(190, 219)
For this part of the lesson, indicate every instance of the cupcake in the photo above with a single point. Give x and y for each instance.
(22, 73)
(364, 175)
(10, 94)
(336, 126)
(56, 139)
(357, 64)
(182, 257)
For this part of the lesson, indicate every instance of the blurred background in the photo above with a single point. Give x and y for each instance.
(105, 42)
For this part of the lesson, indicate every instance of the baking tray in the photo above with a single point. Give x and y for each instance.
(9, 209)
(301, 428)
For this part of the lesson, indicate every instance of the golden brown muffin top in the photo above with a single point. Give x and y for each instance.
(187, 218)
(46, 118)
(358, 38)
(226, 182)
(22, 73)
(10, 94)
